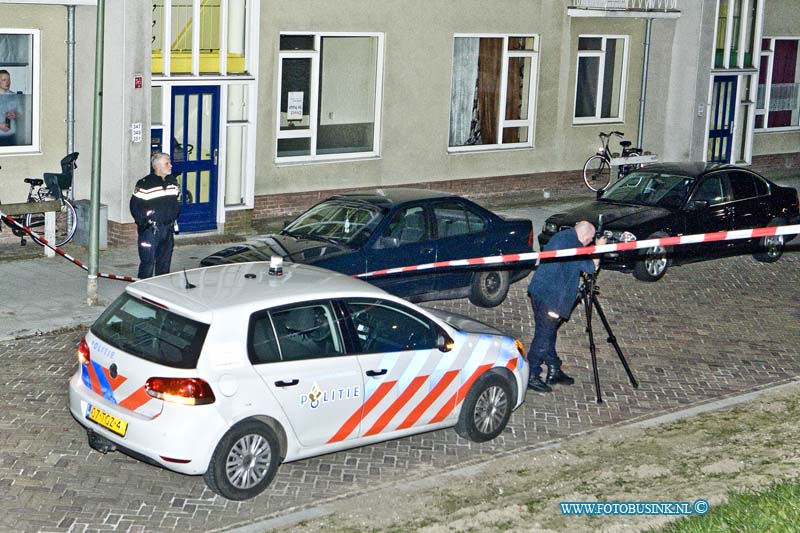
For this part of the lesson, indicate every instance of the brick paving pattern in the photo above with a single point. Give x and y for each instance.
(706, 331)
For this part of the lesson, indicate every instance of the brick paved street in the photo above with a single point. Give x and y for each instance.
(706, 331)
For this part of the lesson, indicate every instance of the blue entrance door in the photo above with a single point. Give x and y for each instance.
(194, 148)
(723, 109)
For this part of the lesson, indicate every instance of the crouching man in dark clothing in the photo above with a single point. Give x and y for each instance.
(553, 292)
(155, 207)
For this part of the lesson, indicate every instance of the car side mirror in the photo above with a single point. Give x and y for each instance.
(444, 343)
(699, 204)
(388, 242)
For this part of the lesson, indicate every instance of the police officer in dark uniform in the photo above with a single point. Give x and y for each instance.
(155, 206)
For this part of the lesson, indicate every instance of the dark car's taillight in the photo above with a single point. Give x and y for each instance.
(530, 239)
(186, 391)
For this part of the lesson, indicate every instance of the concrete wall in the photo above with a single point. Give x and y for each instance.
(52, 23)
(126, 54)
(678, 80)
(781, 19)
(416, 90)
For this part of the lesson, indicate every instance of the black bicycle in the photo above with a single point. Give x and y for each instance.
(52, 186)
(597, 169)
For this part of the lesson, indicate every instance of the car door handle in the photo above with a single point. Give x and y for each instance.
(291, 383)
(427, 250)
(375, 373)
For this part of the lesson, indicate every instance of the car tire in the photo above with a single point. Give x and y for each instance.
(233, 458)
(653, 262)
(486, 409)
(770, 249)
(489, 288)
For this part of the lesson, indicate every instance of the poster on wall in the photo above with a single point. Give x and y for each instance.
(16, 90)
(294, 108)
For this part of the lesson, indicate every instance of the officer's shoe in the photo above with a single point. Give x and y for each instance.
(535, 383)
(556, 377)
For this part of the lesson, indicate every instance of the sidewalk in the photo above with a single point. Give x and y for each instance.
(38, 295)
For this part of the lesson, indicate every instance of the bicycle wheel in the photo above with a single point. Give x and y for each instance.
(66, 223)
(597, 173)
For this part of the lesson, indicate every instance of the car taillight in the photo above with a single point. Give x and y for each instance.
(83, 352)
(186, 391)
(530, 239)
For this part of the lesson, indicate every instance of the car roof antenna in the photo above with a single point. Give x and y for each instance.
(186, 277)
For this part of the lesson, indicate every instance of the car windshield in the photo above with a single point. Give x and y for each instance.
(338, 221)
(650, 188)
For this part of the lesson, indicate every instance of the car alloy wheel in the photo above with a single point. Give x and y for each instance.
(656, 261)
(490, 408)
(774, 246)
(244, 462)
(248, 461)
(486, 408)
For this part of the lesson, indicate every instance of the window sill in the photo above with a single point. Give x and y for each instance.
(596, 121)
(487, 148)
(297, 161)
(787, 129)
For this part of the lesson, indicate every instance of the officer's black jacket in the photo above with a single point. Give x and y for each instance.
(155, 200)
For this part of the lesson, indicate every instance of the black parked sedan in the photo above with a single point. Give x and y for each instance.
(666, 200)
(365, 231)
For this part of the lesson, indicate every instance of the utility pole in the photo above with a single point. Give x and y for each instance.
(97, 144)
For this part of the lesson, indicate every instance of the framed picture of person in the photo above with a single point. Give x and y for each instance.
(19, 90)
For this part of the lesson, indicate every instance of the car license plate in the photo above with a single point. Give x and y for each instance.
(100, 417)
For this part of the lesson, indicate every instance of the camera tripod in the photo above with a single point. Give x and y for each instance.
(587, 293)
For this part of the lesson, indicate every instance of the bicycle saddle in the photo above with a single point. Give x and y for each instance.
(34, 181)
(625, 144)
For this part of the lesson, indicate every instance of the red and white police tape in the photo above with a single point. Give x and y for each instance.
(591, 250)
(754, 233)
(44, 242)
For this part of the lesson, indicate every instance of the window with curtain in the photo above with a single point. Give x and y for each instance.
(600, 80)
(329, 98)
(493, 91)
(19, 91)
(778, 102)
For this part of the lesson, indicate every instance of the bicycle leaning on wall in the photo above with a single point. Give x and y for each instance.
(51, 187)
(597, 169)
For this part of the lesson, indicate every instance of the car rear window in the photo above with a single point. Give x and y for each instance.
(151, 333)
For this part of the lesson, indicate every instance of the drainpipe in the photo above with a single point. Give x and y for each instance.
(97, 143)
(643, 98)
(71, 86)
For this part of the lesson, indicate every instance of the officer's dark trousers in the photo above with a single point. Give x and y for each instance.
(543, 346)
(155, 251)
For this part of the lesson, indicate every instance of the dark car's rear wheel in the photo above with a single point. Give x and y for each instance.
(652, 262)
(770, 249)
(489, 288)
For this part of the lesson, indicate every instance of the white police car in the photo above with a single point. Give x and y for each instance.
(228, 371)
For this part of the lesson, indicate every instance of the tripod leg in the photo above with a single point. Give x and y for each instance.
(613, 340)
(587, 306)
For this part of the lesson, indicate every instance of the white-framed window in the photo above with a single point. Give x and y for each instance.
(778, 102)
(601, 78)
(493, 91)
(329, 97)
(19, 91)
